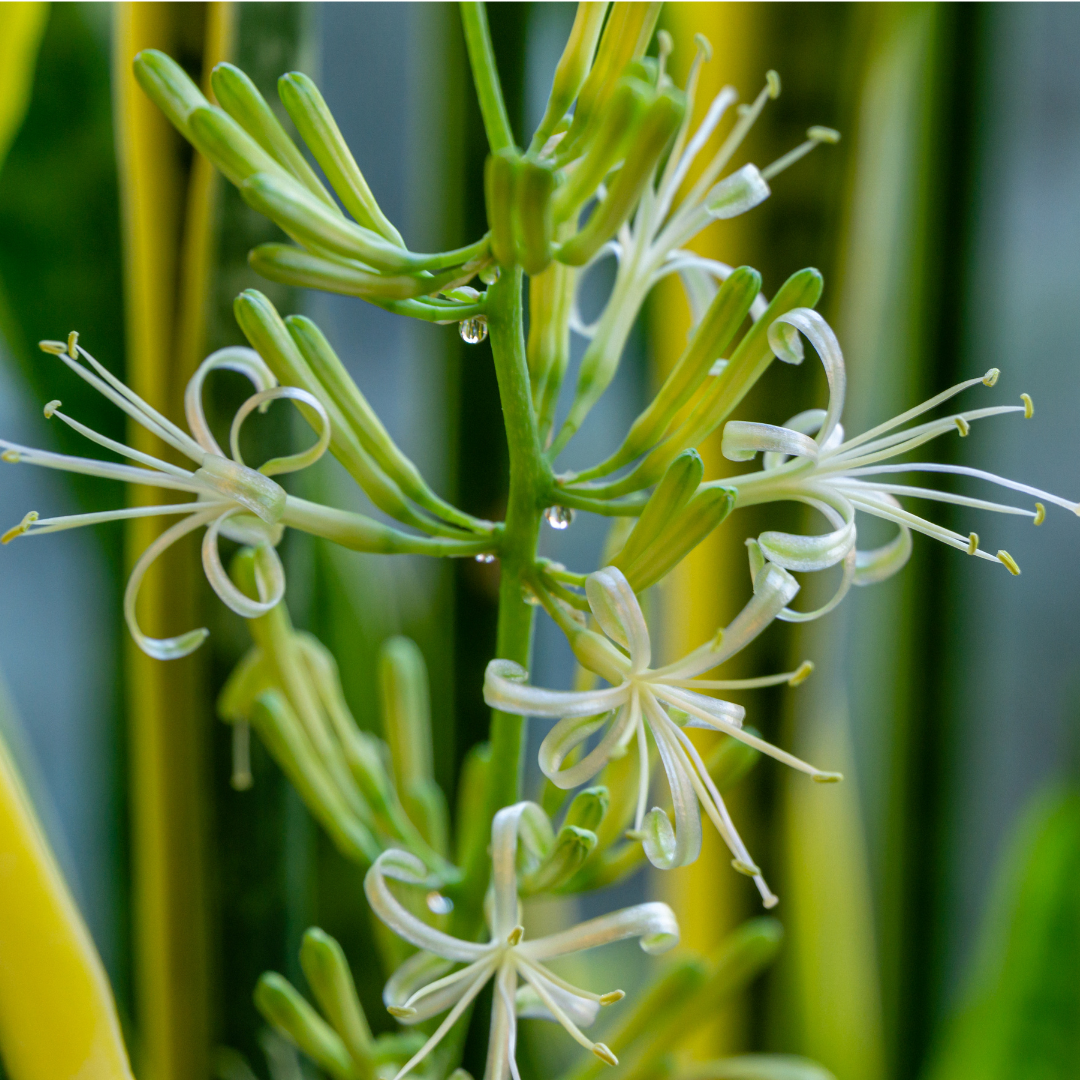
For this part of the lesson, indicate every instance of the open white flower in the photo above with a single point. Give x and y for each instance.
(425, 985)
(808, 460)
(651, 245)
(231, 499)
(639, 698)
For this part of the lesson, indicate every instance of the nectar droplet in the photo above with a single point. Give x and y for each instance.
(559, 517)
(474, 330)
(438, 904)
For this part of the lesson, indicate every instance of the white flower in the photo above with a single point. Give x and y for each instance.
(241, 503)
(838, 477)
(425, 984)
(651, 246)
(639, 698)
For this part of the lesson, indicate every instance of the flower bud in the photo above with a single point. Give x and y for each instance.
(671, 495)
(657, 128)
(310, 221)
(317, 127)
(221, 139)
(240, 98)
(331, 981)
(588, 808)
(565, 858)
(288, 1013)
(500, 181)
(534, 226)
(168, 86)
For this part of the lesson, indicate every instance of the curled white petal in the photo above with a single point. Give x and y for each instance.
(291, 462)
(163, 648)
(805, 553)
(570, 733)
(269, 575)
(506, 689)
(785, 343)
(401, 866)
(618, 612)
(232, 358)
(654, 923)
(743, 440)
(667, 847)
(504, 846)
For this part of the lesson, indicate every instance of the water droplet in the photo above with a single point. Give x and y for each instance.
(473, 330)
(529, 596)
(559, 517)
(489, 275)
(439, 904)
(485, 557)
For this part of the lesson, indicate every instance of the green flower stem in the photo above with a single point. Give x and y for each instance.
(486, 76)
(531, 487)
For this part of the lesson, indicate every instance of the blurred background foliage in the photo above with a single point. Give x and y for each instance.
(930, 903)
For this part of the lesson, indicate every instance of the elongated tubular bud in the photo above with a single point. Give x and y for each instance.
(273, 718)
(331, 981)
(712, 336)
(169, 87)
(702, 514)
(551, 299)
(572, 69)
(406, 711)
(294, 266)
(320, 132)
(225, 143)
(500, 181)
(616, 129)
(626, 36)
(269, 336)
(666, 502)
(568, 853)
(305, 217)
(658, 126)
(346, 395)
(240, 98)
(290, 1015)
(588, 808)
(473, 826)
(726, 390)
(534, 227)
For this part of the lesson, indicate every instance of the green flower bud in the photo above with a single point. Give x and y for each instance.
(534, 226)
(658, 127)
(566, 856)
(290, 1015)
(588, 808)
(169, 87)
(319, 130)
(221, 139)
(331, 981)
(240, 98)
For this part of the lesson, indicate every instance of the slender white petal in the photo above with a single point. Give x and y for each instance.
(419, 971)
(163, 648)
(570, 733)
(502, 1035)
(529, 1005)
(619, 614)
(401, 866)
(443, 993)
(505, 688)
(504, 846)
(653, 923)
(233, 358)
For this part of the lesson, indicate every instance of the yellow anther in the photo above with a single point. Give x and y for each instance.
(395, 1010)
(991, 377)
(51, 408)
(1040, 513)
(19, 529)
(1029, 406)
(57, 348)
(802, 673)
(827, 777)
(772, 82)
(515, 935)
(823, 134)
(1010, 563)
(704, 47)
(749, 869)
(11, 457)
(961, 425)
(973, 543)
(604, 1054)
(72, 342)
(611, 997)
